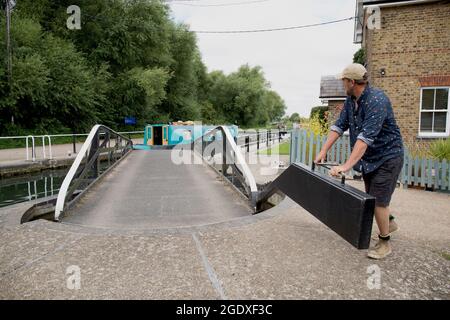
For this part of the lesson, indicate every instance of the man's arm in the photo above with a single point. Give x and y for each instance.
(332, 137)
(376, 112)
(358, 151)
(337, 130)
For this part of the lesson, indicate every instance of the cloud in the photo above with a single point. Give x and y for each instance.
(294, 60)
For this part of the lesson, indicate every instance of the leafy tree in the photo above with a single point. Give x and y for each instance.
(360, 57)
(128, 59)
(295, 117)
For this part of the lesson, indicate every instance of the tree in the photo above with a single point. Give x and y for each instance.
(360, 57)
(295, 117)
(319, 118)
(51, 80)
(128, 59)
(244, 97)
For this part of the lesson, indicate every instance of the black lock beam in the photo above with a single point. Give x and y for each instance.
(343, 208)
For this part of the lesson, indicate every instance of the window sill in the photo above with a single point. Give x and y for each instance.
(433, 136)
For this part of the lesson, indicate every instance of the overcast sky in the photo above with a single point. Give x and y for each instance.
(293, 61)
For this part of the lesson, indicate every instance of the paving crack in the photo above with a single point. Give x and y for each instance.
(209, 269)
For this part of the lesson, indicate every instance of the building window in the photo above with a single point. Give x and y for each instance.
(434, 112)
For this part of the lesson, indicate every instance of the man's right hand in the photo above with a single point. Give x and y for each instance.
(321, 157)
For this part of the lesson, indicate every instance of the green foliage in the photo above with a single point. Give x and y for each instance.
(245, 98)
(280, 149)
(360, 57)
(321, 111)
(318, 120)
(440, 149)
(51, 82)
(128, 59)
(437, 150)
(316, 125)
(295, 117)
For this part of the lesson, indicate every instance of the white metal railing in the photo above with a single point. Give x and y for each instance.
(231, 157)
(47, 142)
(88, 160)
(33, 150)
(260, 138)
(49, 147)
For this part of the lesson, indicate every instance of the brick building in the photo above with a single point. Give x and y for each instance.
(333, 95)
(409, 58)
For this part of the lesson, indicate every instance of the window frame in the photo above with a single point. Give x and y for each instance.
(424, 134)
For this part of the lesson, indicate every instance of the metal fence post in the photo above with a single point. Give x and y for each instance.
(257, 141)
(94, 148)
(224, 155)
(74, 144)
(203, 145)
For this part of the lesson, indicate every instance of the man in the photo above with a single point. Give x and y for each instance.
(377, 147)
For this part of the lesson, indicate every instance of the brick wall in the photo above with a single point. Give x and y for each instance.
(333, 110)
(413, 46)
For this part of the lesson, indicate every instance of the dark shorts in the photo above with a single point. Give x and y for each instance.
(381, 183)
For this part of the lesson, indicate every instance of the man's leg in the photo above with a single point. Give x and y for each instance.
(383, 247)
(382, 187)
(392, 226)
(382, 218)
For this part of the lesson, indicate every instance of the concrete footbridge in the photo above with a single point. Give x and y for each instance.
(157, 184)
(188, 176)
(147, 190)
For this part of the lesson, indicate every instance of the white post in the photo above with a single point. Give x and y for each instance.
(49, 146)
(43, 147)
(33, 154)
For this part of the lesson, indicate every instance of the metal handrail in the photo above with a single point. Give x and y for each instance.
(33, 150)
(49, 139)
(63, 135)
(240, 168)
(91, 150)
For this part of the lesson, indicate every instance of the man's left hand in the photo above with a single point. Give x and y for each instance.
(337, 170)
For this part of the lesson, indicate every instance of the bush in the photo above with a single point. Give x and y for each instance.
(440, 149)
(321, 111)
(360, 57)
(416, 149)
(318, 125)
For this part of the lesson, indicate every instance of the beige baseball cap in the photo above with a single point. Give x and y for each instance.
(355, 71)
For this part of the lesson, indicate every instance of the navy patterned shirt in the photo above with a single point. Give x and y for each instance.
(371, 119)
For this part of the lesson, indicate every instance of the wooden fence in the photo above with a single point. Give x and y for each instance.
(417, 172)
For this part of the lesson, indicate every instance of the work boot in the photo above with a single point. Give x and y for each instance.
(382, 249)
